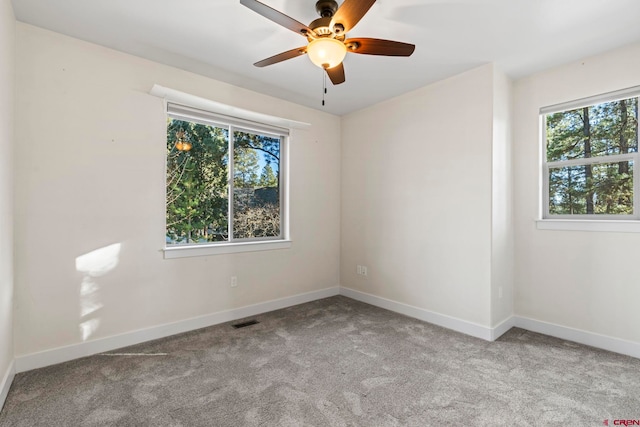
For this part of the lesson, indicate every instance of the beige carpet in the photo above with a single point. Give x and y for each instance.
(333, 362)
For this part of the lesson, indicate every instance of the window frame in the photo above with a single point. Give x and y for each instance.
(233, 124)
(599, 222)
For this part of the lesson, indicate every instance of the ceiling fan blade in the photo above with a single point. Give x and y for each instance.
(281, 57)
(350, 13)
(277, 17)
(369, 46)
(336, 74)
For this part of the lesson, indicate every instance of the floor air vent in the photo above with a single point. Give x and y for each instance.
(245, 324)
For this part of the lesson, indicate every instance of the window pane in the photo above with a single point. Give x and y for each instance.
(605, 188)
(598, 130)
(256, 181)
(197, 188)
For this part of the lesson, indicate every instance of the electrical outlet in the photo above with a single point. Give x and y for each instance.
(234, 281)
(361, 270)
(364, 270)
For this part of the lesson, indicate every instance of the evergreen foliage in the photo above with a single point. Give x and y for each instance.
(602, 187)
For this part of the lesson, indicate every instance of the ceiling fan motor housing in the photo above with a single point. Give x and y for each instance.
(322, 28)
(326, 8)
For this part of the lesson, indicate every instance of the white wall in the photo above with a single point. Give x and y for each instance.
(502, 202)
(582, 280)
(90, 174)
(417, 197)
(7, 62)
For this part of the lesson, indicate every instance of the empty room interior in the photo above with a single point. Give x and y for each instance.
(428, 218)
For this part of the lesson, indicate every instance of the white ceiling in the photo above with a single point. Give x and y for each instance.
(222, 39)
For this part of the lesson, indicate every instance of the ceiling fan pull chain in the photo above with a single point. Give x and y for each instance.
(324, 86)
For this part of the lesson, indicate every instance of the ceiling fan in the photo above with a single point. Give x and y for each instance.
(326, 35)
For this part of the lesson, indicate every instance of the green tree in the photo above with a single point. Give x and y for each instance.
(245, 167)
(268, 177)
(196, 188)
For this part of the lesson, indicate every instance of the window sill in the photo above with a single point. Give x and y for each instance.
(224, 248)
(615, 226)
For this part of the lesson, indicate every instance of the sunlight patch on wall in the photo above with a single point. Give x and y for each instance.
(93, 265)
(88, 327)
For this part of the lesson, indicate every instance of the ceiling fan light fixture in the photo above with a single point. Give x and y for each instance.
(326, 52)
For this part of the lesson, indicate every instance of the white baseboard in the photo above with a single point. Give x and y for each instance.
(5, 385)
(616, 345)
(449, 322)
(502, 328)
(75, 351)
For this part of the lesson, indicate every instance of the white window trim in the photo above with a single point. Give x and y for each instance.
(614, 226)
(607, 223)
(187, 251)
(177, 97)
(234, 117)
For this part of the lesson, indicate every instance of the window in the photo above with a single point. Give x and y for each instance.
(224, 180)
(591, 158)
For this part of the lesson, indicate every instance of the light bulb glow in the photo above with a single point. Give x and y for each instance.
(326, 52)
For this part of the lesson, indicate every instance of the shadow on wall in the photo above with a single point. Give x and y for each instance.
(92, 265)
